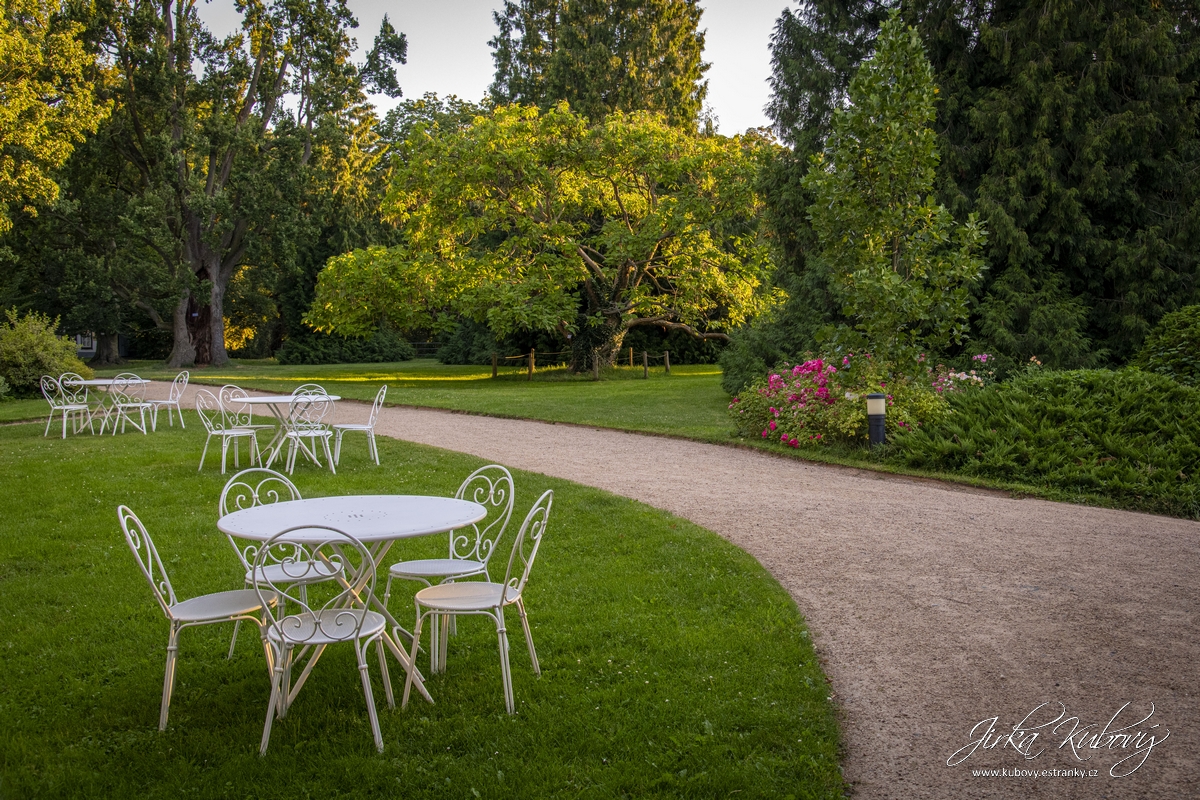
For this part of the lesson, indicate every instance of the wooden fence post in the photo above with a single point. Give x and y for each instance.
(494, 359)
(645, 364)
(532, 358)
(667, 360)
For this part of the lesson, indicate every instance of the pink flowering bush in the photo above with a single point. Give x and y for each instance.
(824, 400)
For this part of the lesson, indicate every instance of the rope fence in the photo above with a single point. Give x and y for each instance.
(530, 360)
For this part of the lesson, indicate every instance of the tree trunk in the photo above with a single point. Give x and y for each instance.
(183, 352)
(108, 353)
(218, 356)
(596, 343)
(200, 331)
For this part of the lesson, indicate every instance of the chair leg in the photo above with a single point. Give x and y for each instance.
(505, 670)
(374, 447)
(276, 699)
(203, 452)
(224, 452)
(537, 670)
(64, 416)
(384, 673)
(366, 682)
(49, 419)
(337, 446)
(444, 640)
(435, 648)
(237, 623)
(328, 455)
(169, 677)
(412, 659)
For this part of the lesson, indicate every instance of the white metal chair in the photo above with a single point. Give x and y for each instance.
(341, 429)
(304, 421)
(203, 610)
(259, 486)
(75, 391)
(238, 413)
(490, 599)
(470, 548)
(298, 621)
(209, 409)
(172, 402)
(309, 388)
(52, 391)
(127, 393)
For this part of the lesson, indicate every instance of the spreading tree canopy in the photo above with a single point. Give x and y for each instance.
(47, 101)
(535, 221)
(216, 140)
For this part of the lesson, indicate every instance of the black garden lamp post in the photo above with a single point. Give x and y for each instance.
(876, 414)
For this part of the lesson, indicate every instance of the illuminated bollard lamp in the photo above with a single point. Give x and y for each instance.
(876, 416)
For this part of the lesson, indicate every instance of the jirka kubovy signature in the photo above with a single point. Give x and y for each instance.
(1030, 738)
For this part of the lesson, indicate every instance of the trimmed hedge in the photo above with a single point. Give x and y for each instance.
(1128, 438)
(318, 348)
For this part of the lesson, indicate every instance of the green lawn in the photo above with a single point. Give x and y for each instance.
(688, 402)
(673, 664)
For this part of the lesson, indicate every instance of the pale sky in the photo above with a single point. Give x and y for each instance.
(448, 51)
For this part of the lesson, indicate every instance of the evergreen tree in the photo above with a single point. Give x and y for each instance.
(603, 56)
(1071, 129)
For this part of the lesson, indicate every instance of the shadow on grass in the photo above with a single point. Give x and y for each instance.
(673, 664)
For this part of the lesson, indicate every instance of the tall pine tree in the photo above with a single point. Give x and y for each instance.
(602, 56)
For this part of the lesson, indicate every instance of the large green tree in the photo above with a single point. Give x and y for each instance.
(221, 135)
(893, 257)
(602, 56)
(535, 221)
(1070, 128)
(47, 101)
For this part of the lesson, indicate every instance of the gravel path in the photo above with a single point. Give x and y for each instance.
(933, 607)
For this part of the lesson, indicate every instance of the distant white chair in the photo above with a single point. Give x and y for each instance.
(305, 421)
(128, 395)
(490, 599)
(239, 413)
(297, 622)
(75, 391)
(204, 610)
(59, 404)
(209, 409)
(171, 403)
(259, 486)
(470, 548)
(341, 429)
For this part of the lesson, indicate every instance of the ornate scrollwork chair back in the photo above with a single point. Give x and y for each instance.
(492, 488)
(146, 553)
(339, 613)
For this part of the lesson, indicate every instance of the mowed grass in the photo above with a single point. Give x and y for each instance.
(689, 402)
(673, 664)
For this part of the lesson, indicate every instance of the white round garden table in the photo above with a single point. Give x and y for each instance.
(278, 404)
(376, 520)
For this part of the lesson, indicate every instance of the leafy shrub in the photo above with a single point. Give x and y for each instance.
(817, 402)
(29, 349)
(319, 348)
(4, 390)
(1129, 436)
(1173, 347)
